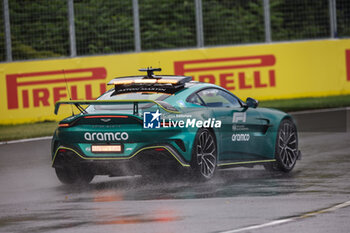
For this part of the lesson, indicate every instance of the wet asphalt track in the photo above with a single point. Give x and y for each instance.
(33, 200)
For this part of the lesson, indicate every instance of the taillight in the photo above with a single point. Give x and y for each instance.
(63, 125)
(159, 149)
(165, 124)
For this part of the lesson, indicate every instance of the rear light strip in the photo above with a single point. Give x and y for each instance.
(65, 125)
(106, 116)
(164, 124)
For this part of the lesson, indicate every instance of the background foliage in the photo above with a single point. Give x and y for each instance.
(39, 28)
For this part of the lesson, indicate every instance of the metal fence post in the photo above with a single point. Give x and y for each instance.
(267, 21)
(199, 23)
(333, 18)
(72, 41)
(7, 26)
(137, 34)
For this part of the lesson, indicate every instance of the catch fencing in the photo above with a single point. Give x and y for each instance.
(41, 29)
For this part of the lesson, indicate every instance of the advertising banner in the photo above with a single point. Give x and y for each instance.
(265, 71)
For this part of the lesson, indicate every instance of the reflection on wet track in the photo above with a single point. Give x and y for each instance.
(32, 200)
(237, 182)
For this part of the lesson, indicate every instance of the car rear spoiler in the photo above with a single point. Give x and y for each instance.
(163, 105)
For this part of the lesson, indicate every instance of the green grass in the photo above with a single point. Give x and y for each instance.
(291, 105)
(12, 132)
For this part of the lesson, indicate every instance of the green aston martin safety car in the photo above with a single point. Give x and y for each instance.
(170, 124)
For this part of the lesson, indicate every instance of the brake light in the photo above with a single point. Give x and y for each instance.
(63, 125)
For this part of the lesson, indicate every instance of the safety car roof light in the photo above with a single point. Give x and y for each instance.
(150, 79)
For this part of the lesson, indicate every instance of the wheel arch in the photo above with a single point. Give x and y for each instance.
(288, 117)
(215, 139)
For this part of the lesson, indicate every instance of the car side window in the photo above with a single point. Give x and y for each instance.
(218, 98)
(194, 99)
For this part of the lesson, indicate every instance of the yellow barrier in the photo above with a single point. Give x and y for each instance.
(267, 71)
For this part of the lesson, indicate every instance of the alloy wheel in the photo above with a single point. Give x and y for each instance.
(287, 145)
(206, 154)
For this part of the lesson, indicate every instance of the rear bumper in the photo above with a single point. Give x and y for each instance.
(145, 159)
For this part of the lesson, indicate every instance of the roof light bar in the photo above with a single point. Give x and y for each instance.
(171, 81)
(145, 81)
(122, 82)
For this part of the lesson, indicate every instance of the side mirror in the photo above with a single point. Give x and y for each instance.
(252, 103)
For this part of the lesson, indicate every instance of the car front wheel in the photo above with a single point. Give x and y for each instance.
(286, 151)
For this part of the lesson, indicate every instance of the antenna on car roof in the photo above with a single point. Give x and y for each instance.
(150, 71)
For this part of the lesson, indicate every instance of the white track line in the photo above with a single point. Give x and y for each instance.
(26, 140)
(292, 219)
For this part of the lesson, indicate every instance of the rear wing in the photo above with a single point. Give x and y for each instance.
(163, 105)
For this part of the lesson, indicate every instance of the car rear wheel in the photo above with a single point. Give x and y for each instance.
(286, 151)
(204, 155)
(74, 175)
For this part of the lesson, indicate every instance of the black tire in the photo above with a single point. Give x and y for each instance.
(204, 155)
(69, 175)
(286, 149)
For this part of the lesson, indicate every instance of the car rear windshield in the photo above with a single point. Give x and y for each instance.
(128, 96)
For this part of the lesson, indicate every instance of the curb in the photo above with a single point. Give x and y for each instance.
(26, 140)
